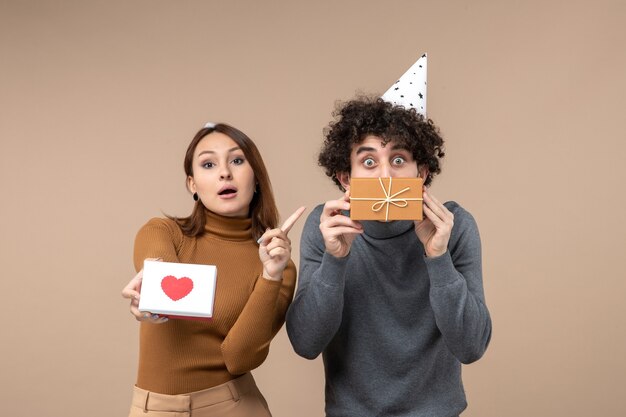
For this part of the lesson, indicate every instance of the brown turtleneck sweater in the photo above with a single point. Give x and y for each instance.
(182, 356)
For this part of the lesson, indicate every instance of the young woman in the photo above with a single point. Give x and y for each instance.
(197, 368)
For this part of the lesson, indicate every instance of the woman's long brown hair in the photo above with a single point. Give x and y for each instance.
(263, 210)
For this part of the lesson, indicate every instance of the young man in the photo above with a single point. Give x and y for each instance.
(394, 307)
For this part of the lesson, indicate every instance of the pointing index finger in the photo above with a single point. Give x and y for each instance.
(291, 220)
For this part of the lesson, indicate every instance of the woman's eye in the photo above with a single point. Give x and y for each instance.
(398, 160)
(207, 165)
(238, 161)
(369, 162)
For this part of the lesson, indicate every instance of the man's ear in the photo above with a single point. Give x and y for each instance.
(422, 172)
(344, 179)
(191, 184)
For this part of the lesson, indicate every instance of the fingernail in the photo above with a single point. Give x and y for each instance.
(155, 316)
(165, 319)
(260, 240)
(146, 315)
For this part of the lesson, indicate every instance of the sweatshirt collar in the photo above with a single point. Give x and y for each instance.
(386, 230)
(228, 228)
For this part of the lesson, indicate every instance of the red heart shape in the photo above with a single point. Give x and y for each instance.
(176, 288)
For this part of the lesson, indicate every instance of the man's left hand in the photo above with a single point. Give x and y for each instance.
(434, 231)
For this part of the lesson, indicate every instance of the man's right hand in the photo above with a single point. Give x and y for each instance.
(338, 230)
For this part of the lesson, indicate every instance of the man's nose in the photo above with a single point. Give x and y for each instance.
(385, 170)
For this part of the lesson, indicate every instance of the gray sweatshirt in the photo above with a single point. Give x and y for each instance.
(393, 325)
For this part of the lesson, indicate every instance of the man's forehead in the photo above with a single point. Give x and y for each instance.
(372, 144)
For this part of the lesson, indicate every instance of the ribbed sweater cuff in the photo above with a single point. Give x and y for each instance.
(267, 287)
(441, 270)
(334, 270)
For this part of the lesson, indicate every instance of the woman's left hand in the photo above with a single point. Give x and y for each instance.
(275, 248)
(434, 231)
(274, 252)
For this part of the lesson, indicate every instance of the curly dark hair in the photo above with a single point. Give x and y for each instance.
(363, 116)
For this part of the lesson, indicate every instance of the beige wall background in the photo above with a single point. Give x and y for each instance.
(98, 100)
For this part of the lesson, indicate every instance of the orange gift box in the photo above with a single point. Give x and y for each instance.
(386, 199)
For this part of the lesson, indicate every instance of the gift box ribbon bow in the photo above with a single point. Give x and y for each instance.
(389, 199)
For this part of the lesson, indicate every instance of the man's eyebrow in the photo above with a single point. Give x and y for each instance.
(399, 148)
(362, 149)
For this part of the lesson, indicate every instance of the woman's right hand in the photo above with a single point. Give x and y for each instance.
(339, 231)
(132, 291)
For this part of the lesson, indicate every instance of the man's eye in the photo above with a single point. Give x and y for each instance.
(398, 161)
(369, 162)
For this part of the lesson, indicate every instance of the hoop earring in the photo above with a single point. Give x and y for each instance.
(195, 197)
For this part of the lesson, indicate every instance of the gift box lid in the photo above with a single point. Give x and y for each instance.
(178, 289)
(386, 199)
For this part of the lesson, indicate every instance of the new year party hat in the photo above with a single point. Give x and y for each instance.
(410, 89)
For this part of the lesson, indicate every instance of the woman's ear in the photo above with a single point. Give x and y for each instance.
(191, 184)
(344, 179)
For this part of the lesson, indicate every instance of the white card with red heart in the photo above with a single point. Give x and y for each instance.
(178, 290)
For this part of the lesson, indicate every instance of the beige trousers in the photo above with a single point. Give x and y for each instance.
(237, 398)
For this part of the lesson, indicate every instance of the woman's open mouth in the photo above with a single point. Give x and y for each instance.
(227, 192)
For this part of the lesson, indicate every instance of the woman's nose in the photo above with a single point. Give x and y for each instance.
(225, 174)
